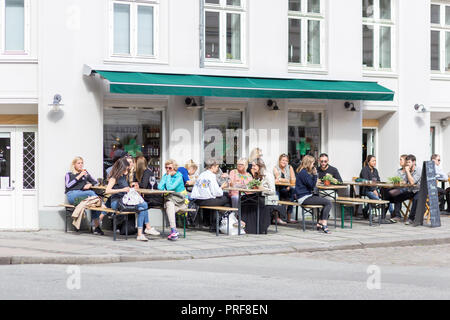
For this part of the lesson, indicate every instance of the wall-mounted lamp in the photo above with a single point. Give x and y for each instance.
(56, 105)
(420, 108)
(192, 104)
(349, 106)
(272, 104)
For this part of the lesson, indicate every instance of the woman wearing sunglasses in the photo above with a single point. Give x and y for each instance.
(172, 180)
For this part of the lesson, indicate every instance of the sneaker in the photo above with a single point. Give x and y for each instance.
(173, 236)
(142, 238)
(152, 231)
(99, 231)
(281, 222)
(409, 222)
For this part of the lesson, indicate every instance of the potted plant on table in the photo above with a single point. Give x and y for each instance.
(328, 180)
(395, 180)
(254, 184)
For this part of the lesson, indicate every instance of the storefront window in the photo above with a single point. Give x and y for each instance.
(223, 137)
(304, 135)
(137, 132)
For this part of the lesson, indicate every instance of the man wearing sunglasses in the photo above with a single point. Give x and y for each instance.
(325, 168)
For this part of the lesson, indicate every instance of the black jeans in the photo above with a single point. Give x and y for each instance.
(398, 200)
(223, 201)
(326, 203)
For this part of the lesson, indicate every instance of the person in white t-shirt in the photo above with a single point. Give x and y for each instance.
(207, 192)
(440, 176)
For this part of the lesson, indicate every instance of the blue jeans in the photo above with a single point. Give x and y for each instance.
(72, 195)
(371, 195)
(142, 215)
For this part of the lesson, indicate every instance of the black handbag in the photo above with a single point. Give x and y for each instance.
(122, 207)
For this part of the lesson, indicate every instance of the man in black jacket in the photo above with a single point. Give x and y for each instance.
(325, 168)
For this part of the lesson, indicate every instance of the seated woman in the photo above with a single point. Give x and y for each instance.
(172, 180)
(207, 192)
(284, 173)
(118, 187)
(370, 173)
(78, 185)
(259, 172)
(239, 178)
(306, 181)
(146, 180)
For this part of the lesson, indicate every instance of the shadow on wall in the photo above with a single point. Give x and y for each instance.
(419, 121)
(55, 116)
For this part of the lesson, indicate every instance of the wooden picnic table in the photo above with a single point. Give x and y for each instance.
(379, 184)
(141, 191)
(240, 191)
(331, 192)
(284, 184)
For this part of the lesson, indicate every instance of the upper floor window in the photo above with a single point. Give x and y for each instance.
(440, 37)
(378, 34)
(306, 32)
(224, 30)
(14, 26)
(133, 24)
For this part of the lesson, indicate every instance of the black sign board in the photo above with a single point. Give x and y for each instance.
(428, 188)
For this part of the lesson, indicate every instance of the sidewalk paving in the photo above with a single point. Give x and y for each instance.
(57, 247)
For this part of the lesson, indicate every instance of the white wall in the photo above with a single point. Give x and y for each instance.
(414, 67)
(64, 48)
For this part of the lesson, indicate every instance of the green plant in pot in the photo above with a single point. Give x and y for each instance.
(328, 179)
(395, 180)
(254, 184)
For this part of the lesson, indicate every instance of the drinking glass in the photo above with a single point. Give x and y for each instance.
(152, 181)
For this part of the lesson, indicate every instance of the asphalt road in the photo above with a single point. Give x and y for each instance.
(385, 273)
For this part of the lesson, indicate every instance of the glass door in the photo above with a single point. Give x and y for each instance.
(18, 194)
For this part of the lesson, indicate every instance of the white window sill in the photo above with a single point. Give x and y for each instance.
(440, 76)
(380, 74)
(17, 58)
(133, 60)
(225, 65)
(307, 69)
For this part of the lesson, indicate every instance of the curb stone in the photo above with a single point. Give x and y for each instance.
(221, 253)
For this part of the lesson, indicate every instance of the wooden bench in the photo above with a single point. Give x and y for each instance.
(289, 204)
(347, 204)
(69, 210)
(310, 208)
(179, 213)
(219, 210)
(377, 205)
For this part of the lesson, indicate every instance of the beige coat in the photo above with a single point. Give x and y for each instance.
(79, 211)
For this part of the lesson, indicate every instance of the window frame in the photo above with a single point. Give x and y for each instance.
(304, 16)
(133, 55)
(442, 28)
(27, 32)
(223, 9)
(376, 22)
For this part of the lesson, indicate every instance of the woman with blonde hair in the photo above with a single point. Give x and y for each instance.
(239, 178)
(306, 181)
(284, 173)
(172, 180)
(78, 185)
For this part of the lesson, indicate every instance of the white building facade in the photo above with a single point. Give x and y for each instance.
(74, 48)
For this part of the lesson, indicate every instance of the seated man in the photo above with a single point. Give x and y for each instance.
(324, 168)
(410, 175)
(440, 176)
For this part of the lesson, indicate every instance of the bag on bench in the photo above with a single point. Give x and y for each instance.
(122, 225)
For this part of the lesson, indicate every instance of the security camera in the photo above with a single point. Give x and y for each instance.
(349, 106)
(272, 105)
(420, 108)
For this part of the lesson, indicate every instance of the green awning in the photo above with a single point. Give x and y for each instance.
(241, 87)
